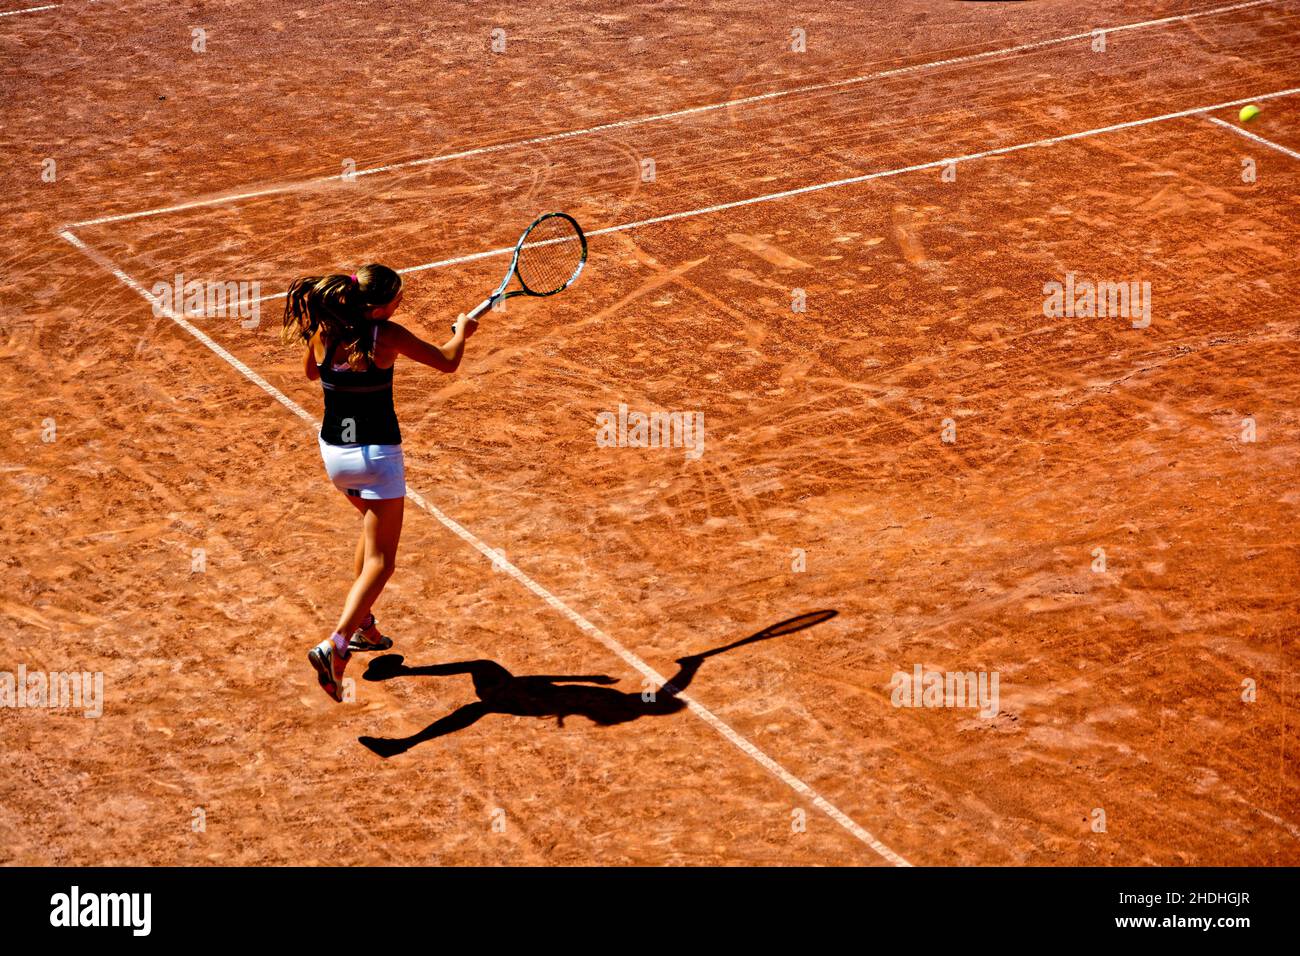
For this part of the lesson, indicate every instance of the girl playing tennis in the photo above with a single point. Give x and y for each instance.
(351, 347)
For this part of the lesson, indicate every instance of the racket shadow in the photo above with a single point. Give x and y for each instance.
(552, 695)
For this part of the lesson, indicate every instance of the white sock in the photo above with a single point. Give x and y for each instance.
(340, 644)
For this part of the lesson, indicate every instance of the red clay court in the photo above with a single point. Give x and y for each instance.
(830, 229)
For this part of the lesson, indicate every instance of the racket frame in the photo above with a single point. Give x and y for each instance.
(501, 294)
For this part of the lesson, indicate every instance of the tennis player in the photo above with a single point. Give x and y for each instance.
(352, 343)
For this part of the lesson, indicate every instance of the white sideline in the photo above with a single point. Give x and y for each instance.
(1259, 139)
(14, 13)
(658, 117)
(500, 562)
(867, 177)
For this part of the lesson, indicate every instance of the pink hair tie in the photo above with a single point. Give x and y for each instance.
(354, 277)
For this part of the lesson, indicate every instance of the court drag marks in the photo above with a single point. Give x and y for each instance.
(815, 422)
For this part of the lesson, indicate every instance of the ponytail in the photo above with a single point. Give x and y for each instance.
(335, 306)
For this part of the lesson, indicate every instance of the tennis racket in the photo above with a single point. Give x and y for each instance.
(547, 259)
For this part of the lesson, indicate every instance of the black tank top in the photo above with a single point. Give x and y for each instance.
(358, 404)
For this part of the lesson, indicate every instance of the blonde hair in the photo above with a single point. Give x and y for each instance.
(335, 306)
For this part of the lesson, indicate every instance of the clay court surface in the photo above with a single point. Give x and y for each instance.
(1120, 691)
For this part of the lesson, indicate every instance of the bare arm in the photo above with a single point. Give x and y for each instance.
(445, 357)
(309, 362)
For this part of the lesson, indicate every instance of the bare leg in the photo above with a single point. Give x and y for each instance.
(381, 532)
(359, 563)
(361, 550)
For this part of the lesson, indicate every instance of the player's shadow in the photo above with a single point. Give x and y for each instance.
(540, 695)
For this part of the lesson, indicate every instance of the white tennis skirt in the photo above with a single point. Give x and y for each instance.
(375, 472)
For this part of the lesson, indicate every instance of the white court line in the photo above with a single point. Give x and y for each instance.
(500, 562)
(14, 13)
(659, 117)
(1259, 139)
(867, 177)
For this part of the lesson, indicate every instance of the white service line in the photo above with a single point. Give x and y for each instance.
(659, 117)
(458, 260)
(867, 177)
(500, 562)
(1259, 139)
(14, 13)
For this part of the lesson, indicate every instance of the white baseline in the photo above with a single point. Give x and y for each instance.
(675, 114)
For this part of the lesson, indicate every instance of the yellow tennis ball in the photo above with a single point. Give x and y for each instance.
(1248, 113)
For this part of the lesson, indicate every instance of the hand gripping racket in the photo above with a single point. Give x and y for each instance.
(547, 259)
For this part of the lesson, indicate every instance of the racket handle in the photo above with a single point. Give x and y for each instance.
(478, 310)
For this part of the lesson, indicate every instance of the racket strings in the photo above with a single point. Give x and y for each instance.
(550, 256)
